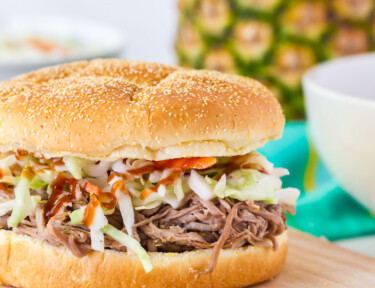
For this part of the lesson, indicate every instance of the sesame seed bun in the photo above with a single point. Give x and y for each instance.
(111, 109)
(27, 262)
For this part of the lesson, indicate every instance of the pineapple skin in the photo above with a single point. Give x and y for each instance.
(274, 41)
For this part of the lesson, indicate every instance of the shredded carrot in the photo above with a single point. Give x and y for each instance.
(186, 163)
(92, 189)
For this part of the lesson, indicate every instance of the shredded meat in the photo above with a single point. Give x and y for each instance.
(3, 222)
(223, 238)
(71, 240)
(196, 224)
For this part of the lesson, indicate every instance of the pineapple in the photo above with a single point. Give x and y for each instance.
(190, 45)
(274, 41)
(220, 60)
(251, 40)
(353, 9)
(260, 6)
(213, 17)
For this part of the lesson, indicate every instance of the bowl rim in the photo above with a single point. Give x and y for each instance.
(308, 81)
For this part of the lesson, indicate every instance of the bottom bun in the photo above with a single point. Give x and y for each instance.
(27, 262)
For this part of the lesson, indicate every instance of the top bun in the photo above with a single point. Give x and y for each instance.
(111, 109)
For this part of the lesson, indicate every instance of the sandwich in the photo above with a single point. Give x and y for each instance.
(133, 174)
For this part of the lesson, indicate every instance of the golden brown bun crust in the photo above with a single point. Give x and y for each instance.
(119, 109)
(29, 263)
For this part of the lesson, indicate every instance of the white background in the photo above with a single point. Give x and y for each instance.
(149, 26)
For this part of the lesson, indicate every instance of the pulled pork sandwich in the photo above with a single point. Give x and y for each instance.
(131, 174)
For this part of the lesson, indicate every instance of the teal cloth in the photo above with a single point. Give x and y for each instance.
(327, 210)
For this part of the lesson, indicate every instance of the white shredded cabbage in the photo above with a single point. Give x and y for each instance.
(97, 236)
(155, 199)
(120, 167)
(200, 187)
(6, 207)
(127, 211)
(280, 172)
(257, 158)
(46, 175)
(5, 164)
(288, 196)
(97, 170)
(155, 176)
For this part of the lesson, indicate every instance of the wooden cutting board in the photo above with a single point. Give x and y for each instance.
(314, 262)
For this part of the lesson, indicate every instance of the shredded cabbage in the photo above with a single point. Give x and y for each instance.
(288, 196)
(7, 176)
(76, 217)
(7, 162)
(178, 189)
(46, 175)
(171, 194)
(11, 180)
(7, 206)
(74, 166)
(120, 167)
(24, 204)
(250, 184)
(97, 240)
(127, 211)
(147, 206)
(131, 244)
(198, 184)
(97, 236)
(97, 170)
(163, 195)
(37, 183)
(257, 158)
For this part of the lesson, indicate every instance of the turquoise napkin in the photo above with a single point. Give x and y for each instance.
(327, 210)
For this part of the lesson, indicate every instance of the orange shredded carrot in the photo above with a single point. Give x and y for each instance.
(186, 163)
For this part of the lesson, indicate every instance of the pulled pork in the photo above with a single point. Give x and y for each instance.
(196, 224)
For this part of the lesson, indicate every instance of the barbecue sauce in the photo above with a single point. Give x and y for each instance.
(59, 196)
(89, 216)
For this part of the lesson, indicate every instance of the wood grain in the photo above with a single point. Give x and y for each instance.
(314, 263)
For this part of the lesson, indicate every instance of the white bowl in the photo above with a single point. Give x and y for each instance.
(340, 104)
(90, 40)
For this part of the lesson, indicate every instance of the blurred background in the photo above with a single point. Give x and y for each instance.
(274, 41)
